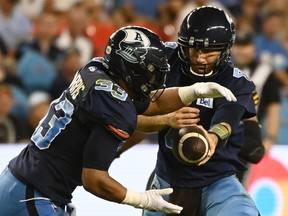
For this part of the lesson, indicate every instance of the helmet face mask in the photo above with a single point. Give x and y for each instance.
(203, 61)
(206, 28)
(136, 55)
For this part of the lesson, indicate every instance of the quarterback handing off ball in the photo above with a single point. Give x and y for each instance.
(193, 146)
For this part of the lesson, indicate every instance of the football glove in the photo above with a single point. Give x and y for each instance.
(152, 200)
(204, 90)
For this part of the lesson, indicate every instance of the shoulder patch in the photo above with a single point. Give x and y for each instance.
(239, 73)
(205, 102)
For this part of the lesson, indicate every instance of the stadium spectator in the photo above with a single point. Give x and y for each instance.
(166, 18)
(38, 102)
(70, 64)
(43, 40)
(75, 33)
(268, 88)
(14, 25)
(99, 27)
(13, 125)
(250, 10)
(267, 85)
(269, 45)
(35, 71)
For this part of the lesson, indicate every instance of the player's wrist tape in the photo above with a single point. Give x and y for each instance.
(187, 94)
(132, 198)
(221, 131)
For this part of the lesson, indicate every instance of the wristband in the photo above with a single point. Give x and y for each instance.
(132, 198)
(221, 131)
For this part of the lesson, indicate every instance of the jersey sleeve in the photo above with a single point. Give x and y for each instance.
(141, 106)
(118, 116)
(100, 149)
(98, 98)
(244, 90)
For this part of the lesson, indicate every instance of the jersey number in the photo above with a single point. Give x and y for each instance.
(50, 126)
(108, 85)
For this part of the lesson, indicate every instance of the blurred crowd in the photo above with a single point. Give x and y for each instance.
(44, 42)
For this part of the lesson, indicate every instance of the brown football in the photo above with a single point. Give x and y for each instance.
(192, 147)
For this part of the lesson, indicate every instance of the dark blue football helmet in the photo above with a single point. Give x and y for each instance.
(136, 55)
(207, 28)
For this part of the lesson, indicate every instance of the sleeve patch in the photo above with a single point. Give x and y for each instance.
(238, 74)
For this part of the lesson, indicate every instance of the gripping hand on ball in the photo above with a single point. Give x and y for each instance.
(204, 90)
(152, 200)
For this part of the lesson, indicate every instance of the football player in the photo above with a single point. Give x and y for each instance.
(77, 140)
(203, 55)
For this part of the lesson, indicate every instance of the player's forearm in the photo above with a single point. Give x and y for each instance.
(169, 101)
(150, 124)
(175, 98)
(100, 184)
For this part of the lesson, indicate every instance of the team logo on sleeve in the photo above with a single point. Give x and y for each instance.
(128, 43)
(238, 74)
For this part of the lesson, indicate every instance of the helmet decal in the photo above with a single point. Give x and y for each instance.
(127, 45)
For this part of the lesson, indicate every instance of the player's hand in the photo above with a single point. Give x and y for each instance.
(212, 90)
(212, 139)
(152, 200)
(188, 94)
(186, 116)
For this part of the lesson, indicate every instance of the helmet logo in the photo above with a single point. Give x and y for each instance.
(133, 38)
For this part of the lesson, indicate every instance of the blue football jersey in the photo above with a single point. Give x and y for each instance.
(84, 127)
(225, 160)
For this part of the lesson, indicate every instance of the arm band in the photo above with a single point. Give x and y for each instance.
(222, 132)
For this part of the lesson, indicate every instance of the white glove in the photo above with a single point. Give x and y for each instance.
(204, 90)
(152, 200)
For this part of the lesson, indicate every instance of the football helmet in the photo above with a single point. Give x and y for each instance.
(208, 28)
(136, 55)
